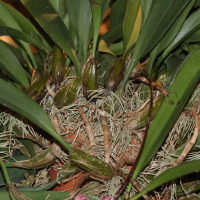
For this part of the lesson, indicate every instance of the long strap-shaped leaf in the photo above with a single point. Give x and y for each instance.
(170, 174)
(14, 33)
(50, 21)
(84, 23)
(158, 22)
(16, 100)
(170, 35)
(96, 14)
(9, 20)
(178, 94)
(12, 67)
(191, 25)
(132, 24)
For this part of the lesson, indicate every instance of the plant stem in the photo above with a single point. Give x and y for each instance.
(5, 173)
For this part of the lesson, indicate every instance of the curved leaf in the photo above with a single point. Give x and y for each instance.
(175, 172)
(104, 6)
(22, 22)
(84, 22)
(146, 6)
(113, 34)
(50, 21)
(161, 17)
(12, 98)
(16, 174)
(132, 23)
(117, 12)
(96, 15)
(104, 48)
(117, 48)
(7, 19)
(107, 61)
(4, 30)
(170, 35)
(12, 67)
(178, 94)
(72, 9)
(191, 25)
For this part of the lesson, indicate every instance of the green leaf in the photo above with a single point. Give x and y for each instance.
(170, 35)
(132, 23)
(117, 12)
(104, 6)
(46, 40)
(96, 15)
(16, 174)
(84, 23)
(37, 87)
(7, 19)
(16, 100)
(91, 163)
(20, 55)
(178, 94)
(190, 26)
(104, 48)
(117, 48)
(72, 9)
(161, 17)
(66, 95)
(50, 21)
(107, 61)
(170, 174)
(195, 37)
(197, 4)
(4, 30)
(146, 6)
(113, 34)
(173, 64)
(24, 24)
(12, 67)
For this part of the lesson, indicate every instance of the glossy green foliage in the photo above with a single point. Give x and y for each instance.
(161, 16)
(173, 64)
(170, 174)
(45, 14)
(113, 34)
(144, 113)
(16, 174)
(132, 23)
(84, 22)
(12, 66)
(11, 97)
(90, 78)
(67, 94)
(170, 35)
(96, 15)
(173, 104)
(5, 30)
(44, 159)
(117, 12)
(106, 62)
(146, 6)
(115, 75)
(10, 17)
(59, 66)
(190, 26)
(37, 87)
(90, 163)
